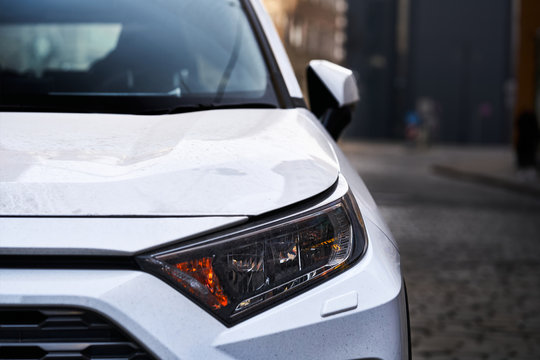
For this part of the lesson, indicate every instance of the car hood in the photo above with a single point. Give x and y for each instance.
(209, 163)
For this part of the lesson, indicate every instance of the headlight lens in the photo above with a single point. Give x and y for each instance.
(236, 275)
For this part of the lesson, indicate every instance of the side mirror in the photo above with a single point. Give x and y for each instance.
(332, 94)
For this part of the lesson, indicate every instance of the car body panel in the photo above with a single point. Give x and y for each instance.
(173, 327)
(339, 81)
(98, 184)
(208, 163)
(101, 236)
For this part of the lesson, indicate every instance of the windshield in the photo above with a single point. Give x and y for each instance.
(129, 56)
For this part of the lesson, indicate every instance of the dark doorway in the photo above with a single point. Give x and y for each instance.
(459, 64)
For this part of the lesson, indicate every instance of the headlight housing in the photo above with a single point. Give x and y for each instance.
(236, 275)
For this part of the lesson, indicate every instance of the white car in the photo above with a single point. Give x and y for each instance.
(165, 193)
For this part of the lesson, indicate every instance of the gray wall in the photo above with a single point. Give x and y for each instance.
(371, 54)
(457, 59)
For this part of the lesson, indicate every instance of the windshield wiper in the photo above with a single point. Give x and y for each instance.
(203, 107)
(231, 64)
(121, 105)
(174, 92)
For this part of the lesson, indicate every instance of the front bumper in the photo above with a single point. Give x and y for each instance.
(359, 314)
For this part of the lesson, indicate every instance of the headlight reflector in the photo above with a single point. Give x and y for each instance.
(234, 275)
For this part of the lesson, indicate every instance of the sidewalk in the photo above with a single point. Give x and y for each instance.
(489, 165)
(493, 166)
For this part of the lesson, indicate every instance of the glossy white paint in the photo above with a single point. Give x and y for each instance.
(101, 236)
(339, 304)
(340, 81)
(221, 162)
(279, 51)
(174, 327)
(227, 162)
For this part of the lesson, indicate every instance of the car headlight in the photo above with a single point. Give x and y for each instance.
(236, 275)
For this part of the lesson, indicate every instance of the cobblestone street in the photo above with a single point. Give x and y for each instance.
(470, 255)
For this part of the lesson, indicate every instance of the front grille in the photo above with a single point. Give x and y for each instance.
(67, 334)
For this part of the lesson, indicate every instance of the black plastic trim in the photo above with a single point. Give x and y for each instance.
(50, 331)
(86, 262)
(299, 102)
(409, 343)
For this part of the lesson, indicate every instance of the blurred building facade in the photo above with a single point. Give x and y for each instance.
(528, 57)
(448, 63)
(460, 68)
(372, 54)
(310, 29)
(465, 68)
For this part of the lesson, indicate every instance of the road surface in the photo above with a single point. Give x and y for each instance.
(470, 255)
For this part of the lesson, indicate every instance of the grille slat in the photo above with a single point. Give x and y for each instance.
(47, 334)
